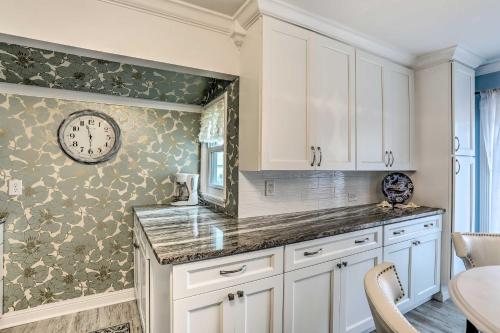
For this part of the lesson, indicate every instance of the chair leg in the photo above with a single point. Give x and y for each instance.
(471, 328)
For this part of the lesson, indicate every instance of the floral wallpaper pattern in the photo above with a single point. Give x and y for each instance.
(50, 69)
(69, 234)
(232, 138)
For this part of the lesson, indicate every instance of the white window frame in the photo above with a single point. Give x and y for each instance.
(213, 193)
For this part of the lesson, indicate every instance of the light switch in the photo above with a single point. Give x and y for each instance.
(15, 187)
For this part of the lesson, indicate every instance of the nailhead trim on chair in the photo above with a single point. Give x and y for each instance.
(393, 268)
(476, 234)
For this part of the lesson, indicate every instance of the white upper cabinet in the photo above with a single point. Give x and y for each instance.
(285, 135)
(296, 100)
(463, 109)
(384, 114)
(371, 147)
(331, 103)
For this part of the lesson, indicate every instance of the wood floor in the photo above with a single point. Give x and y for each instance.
(85, 321)
(432, 317)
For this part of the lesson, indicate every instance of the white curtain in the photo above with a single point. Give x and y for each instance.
(489, 109)
(212, 122)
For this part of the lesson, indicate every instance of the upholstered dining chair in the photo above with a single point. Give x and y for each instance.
(477, 249)
(383, 290)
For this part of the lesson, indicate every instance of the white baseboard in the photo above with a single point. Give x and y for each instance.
(61, 308)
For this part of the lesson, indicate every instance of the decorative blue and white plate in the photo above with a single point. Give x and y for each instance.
(397, 188)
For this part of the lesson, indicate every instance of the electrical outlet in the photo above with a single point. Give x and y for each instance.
(270, 188)
(15, 187)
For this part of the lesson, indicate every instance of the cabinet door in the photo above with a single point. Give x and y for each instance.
(143, 286)
(425, 262)
(355, 314)
(370, 127)
(331, 102)
(260, 307)
(400, 255)
(463, 217)
(211, 312)
(398, 115)
(285, 140)
(463, 109)
(312, 299)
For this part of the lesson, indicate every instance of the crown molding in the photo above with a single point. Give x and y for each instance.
(454, 53)
(181, 12)
(278, 9)
(491, 67)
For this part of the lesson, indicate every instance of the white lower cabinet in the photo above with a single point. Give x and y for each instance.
(418, 265)
(330, 297)
(254, 307)
(314, 286)
(355, 314)
(312, 298)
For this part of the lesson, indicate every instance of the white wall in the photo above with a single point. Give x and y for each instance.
(298, 191)
(105, 27)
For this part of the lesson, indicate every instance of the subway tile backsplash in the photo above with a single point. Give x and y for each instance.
(297, 191)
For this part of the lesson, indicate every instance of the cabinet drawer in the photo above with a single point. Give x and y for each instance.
(399, 232)
(320, 250)
(203, 276)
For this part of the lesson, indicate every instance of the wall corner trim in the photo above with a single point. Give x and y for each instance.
(488, 68)
(61, 308)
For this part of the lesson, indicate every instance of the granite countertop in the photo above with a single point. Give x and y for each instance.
(179, 235)
(3, 218)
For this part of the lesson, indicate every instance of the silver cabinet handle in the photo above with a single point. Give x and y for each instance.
(320, 156)
(310, 254)
(386, 158)
(399, 232)
(361, 241)
(428, 225)
(458, 167)
(391, 155)
(242, 269)
(457, 143)
(314, 156)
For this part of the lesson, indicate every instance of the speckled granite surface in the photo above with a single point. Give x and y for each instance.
(185, 234)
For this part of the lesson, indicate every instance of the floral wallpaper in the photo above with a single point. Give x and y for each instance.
(50, 69)
(69, 234)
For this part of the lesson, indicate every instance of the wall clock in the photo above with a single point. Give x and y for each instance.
(89, 137)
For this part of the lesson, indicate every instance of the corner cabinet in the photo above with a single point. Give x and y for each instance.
(384, 114)
(296, 100)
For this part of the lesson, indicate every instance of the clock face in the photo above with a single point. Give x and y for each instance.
(89, 136)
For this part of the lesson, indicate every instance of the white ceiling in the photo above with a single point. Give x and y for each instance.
(418, 26)
(226, 7)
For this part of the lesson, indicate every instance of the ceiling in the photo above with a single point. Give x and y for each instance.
(226, 7)
(417, 27)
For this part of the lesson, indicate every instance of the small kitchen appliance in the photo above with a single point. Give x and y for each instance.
(186, 189)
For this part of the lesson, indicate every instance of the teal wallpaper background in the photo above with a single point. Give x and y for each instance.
(70, 233)
(50, 69)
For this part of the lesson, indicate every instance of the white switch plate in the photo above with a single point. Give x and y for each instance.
(15, 187)
(270, 189)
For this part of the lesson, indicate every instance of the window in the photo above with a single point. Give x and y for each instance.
(212, 136)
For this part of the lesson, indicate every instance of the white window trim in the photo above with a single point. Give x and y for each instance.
(213, 194)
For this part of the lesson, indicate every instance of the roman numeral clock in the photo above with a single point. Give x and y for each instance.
(89, 137)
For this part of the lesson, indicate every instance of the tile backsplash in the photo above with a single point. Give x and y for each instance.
(296, 191)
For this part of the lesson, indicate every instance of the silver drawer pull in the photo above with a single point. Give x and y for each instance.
(361, 241)
(428, 225)
(234, 271)
(309, 254)
(399, 232)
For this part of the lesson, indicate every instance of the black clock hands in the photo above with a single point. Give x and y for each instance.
(90, 137)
